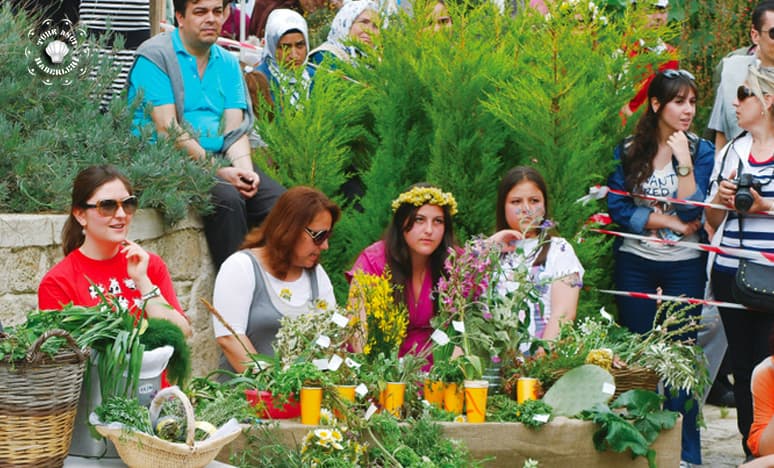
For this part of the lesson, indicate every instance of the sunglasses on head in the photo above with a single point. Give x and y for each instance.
(743, 92)
(318, 237)
(109, 207)
(671, 74)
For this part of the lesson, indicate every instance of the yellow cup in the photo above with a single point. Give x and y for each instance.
(394, 395)
(475, 400)
(453, 398)
(311, 399)
(433, 392)
(346, 392)
(527, 389)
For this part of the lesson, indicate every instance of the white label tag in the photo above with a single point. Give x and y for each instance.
(440, 337)
(543, 418)
(361, 390)
(351, 363)
(335, 362)
(608, 388)
(370, 412)
(459, 326)
(323, 341)
(339, 320)
(321, 364)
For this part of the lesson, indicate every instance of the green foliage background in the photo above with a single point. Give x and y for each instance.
(459, 108)
(48, 133)
(456, 108)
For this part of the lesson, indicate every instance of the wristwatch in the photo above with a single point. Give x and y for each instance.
(683, 171)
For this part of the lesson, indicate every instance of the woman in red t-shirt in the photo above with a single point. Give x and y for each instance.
(100, 260)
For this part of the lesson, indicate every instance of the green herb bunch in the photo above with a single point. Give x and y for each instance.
(127, 411)
(501, 408)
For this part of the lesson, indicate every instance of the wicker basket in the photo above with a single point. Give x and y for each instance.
(634, 377)
(629, 378)
(38, 399)
(140, 450)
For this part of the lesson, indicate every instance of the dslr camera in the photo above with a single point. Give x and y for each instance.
(744, 198)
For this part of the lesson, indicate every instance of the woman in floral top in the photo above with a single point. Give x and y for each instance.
(523, 230)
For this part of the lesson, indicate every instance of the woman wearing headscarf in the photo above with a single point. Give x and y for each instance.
(284, 65)
(353, 25)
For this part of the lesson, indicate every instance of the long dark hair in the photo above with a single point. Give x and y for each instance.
(512, 178)
(638, 154)
(397, 251)
(84, 185)
(282, 228)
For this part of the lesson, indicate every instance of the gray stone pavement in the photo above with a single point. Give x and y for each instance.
(721, 443)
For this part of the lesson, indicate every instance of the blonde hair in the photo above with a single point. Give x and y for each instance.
(761, 82)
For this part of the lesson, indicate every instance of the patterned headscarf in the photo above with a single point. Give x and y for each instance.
(344, 19)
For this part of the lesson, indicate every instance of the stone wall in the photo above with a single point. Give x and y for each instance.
(30, 245)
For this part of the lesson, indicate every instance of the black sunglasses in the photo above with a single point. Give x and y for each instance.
(743, 92)
(670, 74)
(109, 207)
(318, 237)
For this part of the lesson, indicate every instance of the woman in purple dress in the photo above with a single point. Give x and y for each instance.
(414, 247)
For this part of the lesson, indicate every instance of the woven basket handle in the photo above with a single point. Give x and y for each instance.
(190, 420)
(34, 354)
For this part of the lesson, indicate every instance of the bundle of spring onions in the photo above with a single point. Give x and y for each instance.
(108, 328)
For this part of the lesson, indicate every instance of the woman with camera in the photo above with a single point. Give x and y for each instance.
(742, 181)
(662, 159)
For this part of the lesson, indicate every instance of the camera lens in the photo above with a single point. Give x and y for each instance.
(744, 197)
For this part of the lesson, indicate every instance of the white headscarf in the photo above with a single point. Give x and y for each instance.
(344, 20)
(279, 23)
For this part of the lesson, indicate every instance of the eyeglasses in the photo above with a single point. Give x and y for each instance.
(769, 32)
(671, 74)
(743, 92)
(109, 207)
(318, 237)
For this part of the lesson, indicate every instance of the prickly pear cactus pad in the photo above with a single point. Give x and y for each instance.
(580, 389)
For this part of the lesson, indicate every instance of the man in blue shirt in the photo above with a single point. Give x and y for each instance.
(197, 95)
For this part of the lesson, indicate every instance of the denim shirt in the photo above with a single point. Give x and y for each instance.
(633, 218)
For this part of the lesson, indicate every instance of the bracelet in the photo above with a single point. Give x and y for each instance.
(151, 294)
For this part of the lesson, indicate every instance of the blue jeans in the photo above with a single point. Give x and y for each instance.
(684, 277)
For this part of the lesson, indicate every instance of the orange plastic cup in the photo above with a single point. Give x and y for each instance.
(475, 400)
(394, 396)
(433, 393)
(311, 400)
(453, 398)
(346, 393)
(527, 389)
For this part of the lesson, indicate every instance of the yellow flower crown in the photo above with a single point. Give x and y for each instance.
(419, 196)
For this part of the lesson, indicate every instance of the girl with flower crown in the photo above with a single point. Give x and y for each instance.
(414, 248)
(523, 231)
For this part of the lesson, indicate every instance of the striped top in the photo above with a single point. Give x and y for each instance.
(129, 19)
(758, 229)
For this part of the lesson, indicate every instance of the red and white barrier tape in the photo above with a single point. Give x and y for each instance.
(731, 251)
(661, 297)
(599, 192)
